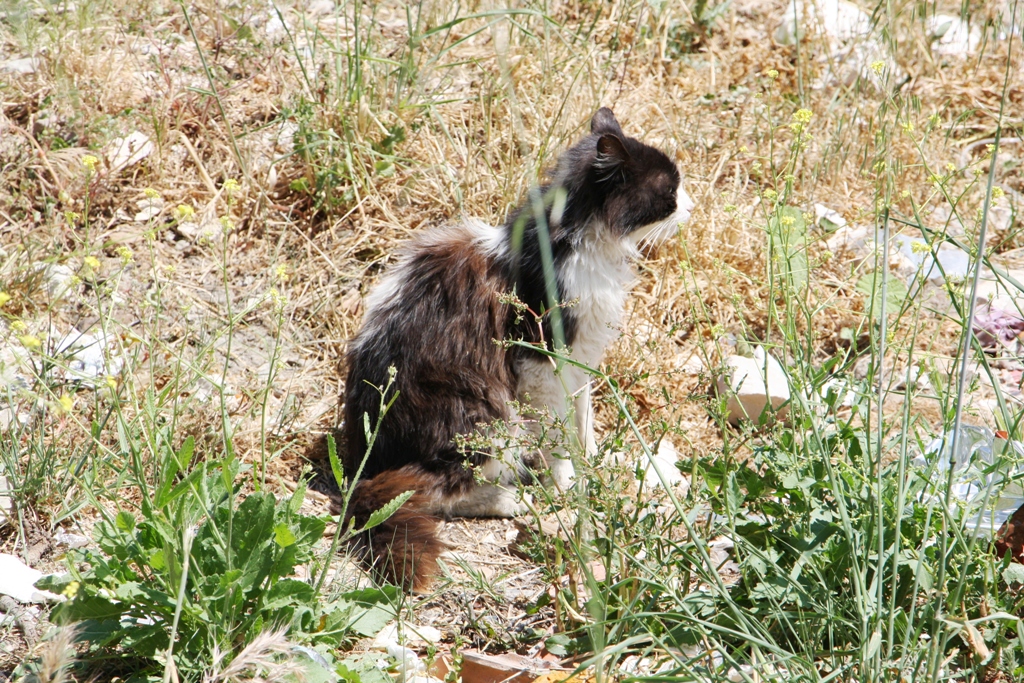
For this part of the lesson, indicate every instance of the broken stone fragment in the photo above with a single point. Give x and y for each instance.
(752, 384)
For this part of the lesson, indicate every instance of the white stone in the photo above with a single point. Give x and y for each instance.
(18, 580)
(414, 635)
(847, 28)
(23, 66)
(408, 663)
(750, 389)
(952, 36)
(121, 153)
(664, 460)
(70, 540)
(88, 357)
(59, 280)
(6, 504)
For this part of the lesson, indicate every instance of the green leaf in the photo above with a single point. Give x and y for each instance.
(1014, 573)
(172, 466)
(283, 535)
(332, 454)
(287, 592)
(125, 521)
(382, 515)
(896, 292)
(295, 502)
(157, 560)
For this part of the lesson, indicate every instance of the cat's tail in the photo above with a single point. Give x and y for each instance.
(402, 550)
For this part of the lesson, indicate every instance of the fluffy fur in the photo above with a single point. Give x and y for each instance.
(436, 317)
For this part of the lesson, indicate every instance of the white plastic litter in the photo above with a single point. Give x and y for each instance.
(18, 580)
(829, 219)
(751, 384)
(978, 448)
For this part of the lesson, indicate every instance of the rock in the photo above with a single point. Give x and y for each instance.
(412, 635)
(829, 219)
(664, 460)
(70, 540)
(58, 279)
(18, 580)
(6, 504)
(121, 153)
(751, 384)
(847, 28)
(690, 365)
(952, 36)
(88, 357)
(407, 661)
(23, 66)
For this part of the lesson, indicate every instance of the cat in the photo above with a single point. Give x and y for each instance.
(437, 320)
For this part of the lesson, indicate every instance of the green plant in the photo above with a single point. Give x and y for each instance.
(204, 567)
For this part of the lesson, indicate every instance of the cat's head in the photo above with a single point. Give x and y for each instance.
(634, 190)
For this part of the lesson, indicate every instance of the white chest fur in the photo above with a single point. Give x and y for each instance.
(597, 277)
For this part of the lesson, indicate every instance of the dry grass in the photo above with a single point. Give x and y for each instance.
(485, 105)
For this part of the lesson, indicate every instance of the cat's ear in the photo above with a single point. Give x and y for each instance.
(604, 122)
(611, 153)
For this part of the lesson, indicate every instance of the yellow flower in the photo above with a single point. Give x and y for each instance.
(65, 403)
(950, 166)
(184, 212)
(904, 194)
(30, 341)
(772, 74)
(125, 254)
(997, 193)
(787, 220)
(92, 262)
(878, 66)
(89, 161)
(72, 217)
(803, 115)
(19, 326)
(111, 382)
(225, 224)
(71, 590)
(4, 298)
(907, 126)
(919, 247)
(281, 273)
(743, 149)
(770, 194)
(231, 186)
(151, 193)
